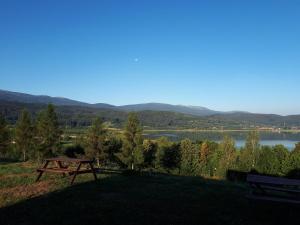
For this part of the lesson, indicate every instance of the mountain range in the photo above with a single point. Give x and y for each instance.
(59, 101)
(154, 115)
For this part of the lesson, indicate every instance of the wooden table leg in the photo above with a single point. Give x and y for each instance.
(41, 172)
(75, 173)
(93, 170)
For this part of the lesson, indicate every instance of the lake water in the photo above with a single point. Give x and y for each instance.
(287, 143)
(288, 139)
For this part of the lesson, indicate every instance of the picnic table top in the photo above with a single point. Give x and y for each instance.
(65, 159)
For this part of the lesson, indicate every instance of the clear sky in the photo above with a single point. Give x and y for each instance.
(224, 55)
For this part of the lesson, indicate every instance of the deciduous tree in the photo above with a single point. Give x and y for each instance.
(227, 155)
(189, 157)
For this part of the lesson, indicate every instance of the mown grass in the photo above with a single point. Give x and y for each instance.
(119, 199)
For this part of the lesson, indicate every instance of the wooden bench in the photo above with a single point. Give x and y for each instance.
(274, 189)
(64, 166)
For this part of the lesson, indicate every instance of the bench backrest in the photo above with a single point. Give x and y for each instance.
(252, 178)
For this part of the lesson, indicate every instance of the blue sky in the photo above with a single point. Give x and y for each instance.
(225, 55)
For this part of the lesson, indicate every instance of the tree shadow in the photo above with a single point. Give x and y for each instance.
(294, 174)
(4, 161)
(145, 200)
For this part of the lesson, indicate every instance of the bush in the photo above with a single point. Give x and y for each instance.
(74, 151)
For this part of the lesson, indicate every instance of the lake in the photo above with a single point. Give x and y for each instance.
(288, 139)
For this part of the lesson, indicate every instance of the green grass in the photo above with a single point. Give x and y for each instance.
(119, 199)
(15, 168)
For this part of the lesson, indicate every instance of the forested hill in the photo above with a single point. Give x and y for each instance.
(27, 98)
(75, 116)
(44, 99)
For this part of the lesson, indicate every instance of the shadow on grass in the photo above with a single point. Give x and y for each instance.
(149, 200)
(4, 161)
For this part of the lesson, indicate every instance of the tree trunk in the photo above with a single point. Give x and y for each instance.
(24, 155)
(98, 162)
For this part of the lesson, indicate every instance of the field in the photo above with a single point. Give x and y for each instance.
(134, 199)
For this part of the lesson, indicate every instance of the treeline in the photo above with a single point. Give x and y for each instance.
(82, 116)
(30, 139)
(35, 140)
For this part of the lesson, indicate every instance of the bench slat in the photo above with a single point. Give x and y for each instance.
(251, 178)
(55, 170)
(61, 170)
(64, 159)
(273, 199)
(287, 190)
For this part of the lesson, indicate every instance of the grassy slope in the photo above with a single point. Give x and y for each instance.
(117, 199)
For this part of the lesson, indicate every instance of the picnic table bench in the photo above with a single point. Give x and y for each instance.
(70, 166)
(276, 189)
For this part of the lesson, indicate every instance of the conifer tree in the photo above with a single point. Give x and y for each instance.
(24, 134)
(96, 138)
(48, 132)
(132, 149)
(4, 136)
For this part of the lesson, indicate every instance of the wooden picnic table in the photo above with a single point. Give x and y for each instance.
(70, 166)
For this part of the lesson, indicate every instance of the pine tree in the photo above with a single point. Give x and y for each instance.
(4, 136)
(48, 132)
(132, 149)
(96, 138)
(24, 134)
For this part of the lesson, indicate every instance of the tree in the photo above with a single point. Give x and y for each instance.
(24, 134)
(267, 162)
(48, 132)
(282, 155)
(162, 144)
(249, 155)
(149, 150)
(132, 150)
(208, 158)
(227, 155)
(113, 145)
(96, 138)
(4, 136)
(189, 157)
(293, 165)
(171, 157)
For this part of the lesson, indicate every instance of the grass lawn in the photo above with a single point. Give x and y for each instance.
(119, 199)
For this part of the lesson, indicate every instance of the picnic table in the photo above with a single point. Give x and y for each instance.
(70, 166)
(276, 189)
